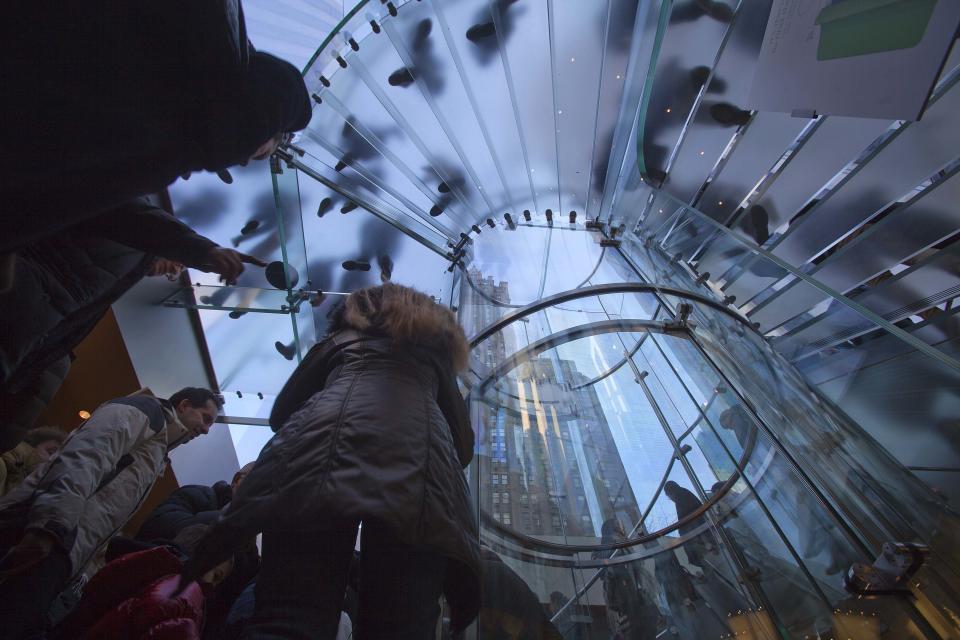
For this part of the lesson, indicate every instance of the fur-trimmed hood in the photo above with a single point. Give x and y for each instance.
(405, 315)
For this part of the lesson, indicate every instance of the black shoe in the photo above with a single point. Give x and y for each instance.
(401, 78)
(341, 165)
(286, 350)
(698, 76)
(435, 210)
(443, 187)
(386, 268)
(347, 208)
(224, 175)
(760, 221)
(716, 10)
(250, 227)
(729, 115)
(480, 31)
(236, 314)
(206, 300)
(325, 205)
(356, 265)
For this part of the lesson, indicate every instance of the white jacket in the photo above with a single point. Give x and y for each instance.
(99, 478)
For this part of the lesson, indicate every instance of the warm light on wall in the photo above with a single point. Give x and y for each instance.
(85, 415)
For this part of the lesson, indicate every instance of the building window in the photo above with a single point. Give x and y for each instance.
(556, 521)
(585, 518)
(506, 518)
(524, 498)
(496, 498)
(503, 478)
(496, 517)
(506, 498)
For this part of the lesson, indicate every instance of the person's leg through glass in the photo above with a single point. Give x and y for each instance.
(400, 588)
(299, 592)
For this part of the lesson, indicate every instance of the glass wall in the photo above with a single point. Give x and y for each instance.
(641, 475)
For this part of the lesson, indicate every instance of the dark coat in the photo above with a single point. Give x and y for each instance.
(64, 284)
(382, 436)
(189, 505)
(105, 101)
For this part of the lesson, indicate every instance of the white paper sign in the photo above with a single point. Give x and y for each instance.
(867, 58)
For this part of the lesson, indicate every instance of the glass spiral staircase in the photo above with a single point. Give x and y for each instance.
(655, 459)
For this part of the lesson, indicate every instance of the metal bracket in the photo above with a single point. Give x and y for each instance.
(681, 322)
(610, 242)
(890, 572)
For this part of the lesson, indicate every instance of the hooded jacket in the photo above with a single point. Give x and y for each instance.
(89, 490)
(189, 505)
(65, 284)
(377, 431)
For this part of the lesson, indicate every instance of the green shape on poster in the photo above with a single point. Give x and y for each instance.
(860, 27)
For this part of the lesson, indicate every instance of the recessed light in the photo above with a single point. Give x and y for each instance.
(669, 109)
(84, 415)
(701, 153)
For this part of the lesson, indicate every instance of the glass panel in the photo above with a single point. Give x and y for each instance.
(756, 151)
(721, 105)
(688, 52)
(917, 151)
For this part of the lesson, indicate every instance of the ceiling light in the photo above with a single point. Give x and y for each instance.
(84, 415)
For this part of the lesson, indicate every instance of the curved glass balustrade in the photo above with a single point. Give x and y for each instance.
(635, 487)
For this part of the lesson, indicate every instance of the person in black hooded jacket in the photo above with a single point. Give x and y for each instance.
(372, 429)
(106, 101)
(189, 505)
(688, 504)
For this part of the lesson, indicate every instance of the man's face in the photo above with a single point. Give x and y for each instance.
(47, 448)
(197, 420)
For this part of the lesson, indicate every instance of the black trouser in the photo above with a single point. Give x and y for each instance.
(303, 577)
(26, 598)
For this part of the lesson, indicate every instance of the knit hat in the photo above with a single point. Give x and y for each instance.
(278, 89)
(277, 96)
(272, 99)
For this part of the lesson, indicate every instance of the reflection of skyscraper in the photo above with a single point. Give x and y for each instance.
(548, 463)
